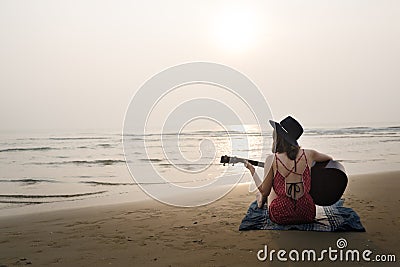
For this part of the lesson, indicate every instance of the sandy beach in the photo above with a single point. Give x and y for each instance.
(149, 233)
(111, 109)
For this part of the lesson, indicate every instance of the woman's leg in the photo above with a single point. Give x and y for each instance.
(272, 196)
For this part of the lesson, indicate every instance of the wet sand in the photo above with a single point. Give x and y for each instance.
(149, 233)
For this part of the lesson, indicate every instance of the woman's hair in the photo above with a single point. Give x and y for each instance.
(281, 146)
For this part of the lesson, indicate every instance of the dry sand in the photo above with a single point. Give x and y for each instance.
(152, 234)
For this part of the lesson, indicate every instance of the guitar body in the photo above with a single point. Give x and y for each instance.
(328, 182)
(328, 179)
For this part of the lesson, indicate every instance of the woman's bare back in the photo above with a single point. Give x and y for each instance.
(283, 164)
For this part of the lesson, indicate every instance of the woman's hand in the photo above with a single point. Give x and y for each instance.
(249, 167)
(261, 200)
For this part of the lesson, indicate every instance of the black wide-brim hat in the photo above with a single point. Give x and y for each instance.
(289, 128)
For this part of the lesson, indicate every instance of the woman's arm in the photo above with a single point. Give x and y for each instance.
(263, 186)
(319, 157)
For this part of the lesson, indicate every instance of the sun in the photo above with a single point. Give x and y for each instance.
(236, 28)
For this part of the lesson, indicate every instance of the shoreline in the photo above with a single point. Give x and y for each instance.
(154, 234)
(116, 200)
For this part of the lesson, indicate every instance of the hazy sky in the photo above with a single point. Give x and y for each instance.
(76, 64)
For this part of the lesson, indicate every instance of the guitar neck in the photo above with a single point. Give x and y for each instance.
(252, 162)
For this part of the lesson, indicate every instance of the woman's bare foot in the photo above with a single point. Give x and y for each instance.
(260, 200)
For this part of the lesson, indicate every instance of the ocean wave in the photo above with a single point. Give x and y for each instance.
(390, 140)
(188, 164)
(22, 202)
(105, 145)
(192, 133)
(105, 183)
(360, 130)
(78, 138)
(53, 196)
(28, 181)
(360, 160)
(348, 136)
(96, 183)
(357, 130)
(16, 149)
(152, 160)
(83, 162)
(394, 127)
(134, 138)
(350, 160)
(94, 146)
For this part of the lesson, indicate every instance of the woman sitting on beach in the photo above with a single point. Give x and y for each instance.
(287, 183)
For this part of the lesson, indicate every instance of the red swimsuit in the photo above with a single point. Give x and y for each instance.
(286, 210)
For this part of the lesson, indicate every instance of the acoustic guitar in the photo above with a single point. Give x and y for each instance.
(328, 179)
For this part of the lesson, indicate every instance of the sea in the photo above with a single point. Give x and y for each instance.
(45, 171)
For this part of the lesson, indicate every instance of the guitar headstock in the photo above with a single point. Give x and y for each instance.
(226, 160)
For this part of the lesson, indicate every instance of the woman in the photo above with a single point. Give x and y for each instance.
(287, 183)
